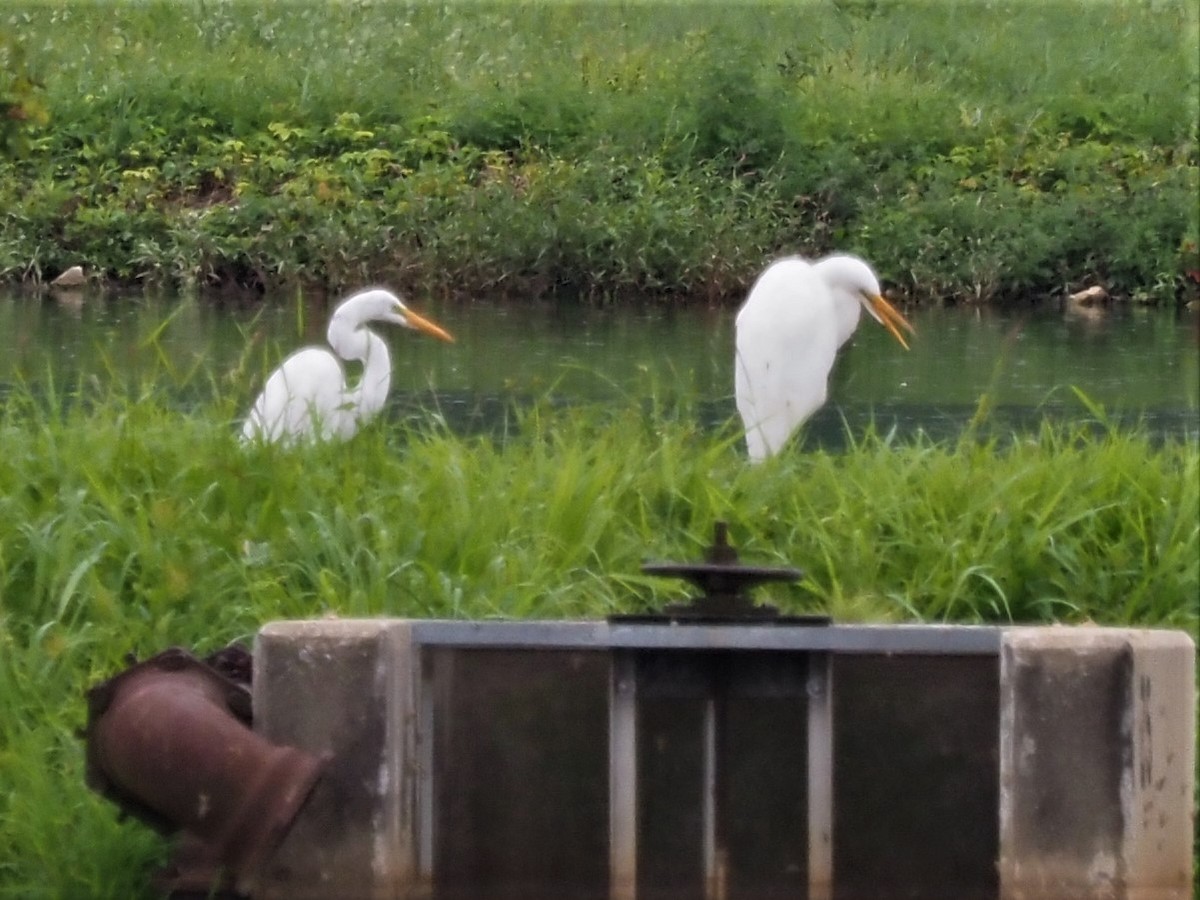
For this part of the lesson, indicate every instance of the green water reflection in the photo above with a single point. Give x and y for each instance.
(1127, 359)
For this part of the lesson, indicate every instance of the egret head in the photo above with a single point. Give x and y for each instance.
(850, 275)
(378, 305)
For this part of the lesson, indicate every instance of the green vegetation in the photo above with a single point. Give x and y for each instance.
(21, 110)
(971, 150)
(128, 527)
(984, 150)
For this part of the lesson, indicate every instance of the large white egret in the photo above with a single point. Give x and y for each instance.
(789, 330)
(308, 395)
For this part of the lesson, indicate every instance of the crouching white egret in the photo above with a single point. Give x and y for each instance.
(789, 330)
(308, 395)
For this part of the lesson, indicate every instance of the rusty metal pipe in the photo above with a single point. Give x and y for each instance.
(169, 741)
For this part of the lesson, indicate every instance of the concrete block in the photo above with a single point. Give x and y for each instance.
(345, 689)
(1097, 764)
(499, 760)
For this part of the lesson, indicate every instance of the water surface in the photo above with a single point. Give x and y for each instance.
(1134, 362)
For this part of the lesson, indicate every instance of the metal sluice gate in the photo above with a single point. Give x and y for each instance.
(718, 749)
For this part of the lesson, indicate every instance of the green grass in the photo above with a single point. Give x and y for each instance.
(128, 527)
(971, 150)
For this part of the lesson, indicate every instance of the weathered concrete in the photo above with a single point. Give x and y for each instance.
(1097, 764)
(348, 689)
(479, 760)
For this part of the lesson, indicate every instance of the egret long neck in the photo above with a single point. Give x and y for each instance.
(360, 344)
(371, 392)
(847, 309)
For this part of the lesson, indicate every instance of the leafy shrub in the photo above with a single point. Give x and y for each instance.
(971, 154)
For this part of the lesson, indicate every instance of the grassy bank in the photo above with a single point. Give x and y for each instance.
(126, 527)
(974, 151)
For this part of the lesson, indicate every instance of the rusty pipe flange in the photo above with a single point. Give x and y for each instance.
(168, 740)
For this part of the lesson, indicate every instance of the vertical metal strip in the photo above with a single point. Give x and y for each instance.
(820, 776)
(438, 670)
(622, 776)
(709, 800)
(398, 840)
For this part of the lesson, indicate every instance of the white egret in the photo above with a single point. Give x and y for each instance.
(308, 396)
(789, 330)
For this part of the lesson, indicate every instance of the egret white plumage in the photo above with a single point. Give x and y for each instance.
(797, 315)
(308, 395)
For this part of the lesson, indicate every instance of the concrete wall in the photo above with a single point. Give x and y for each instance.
(577, 760)
(1098, 740)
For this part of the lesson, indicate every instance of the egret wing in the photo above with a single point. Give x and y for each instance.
(786, 345)
(304, 397)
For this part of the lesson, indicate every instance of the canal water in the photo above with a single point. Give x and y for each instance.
(1030, 362)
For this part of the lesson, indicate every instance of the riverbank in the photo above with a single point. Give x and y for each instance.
(972, 153)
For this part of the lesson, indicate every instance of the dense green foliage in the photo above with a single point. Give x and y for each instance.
(970, 150)
(21, 108)
(128, 527)
(982, 150)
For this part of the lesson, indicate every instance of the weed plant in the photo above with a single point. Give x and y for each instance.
(127, 527)
(981, 151)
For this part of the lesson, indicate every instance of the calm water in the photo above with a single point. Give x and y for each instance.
(1134, 362)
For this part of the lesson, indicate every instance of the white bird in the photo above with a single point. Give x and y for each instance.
(789, 330)
(308, 396)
